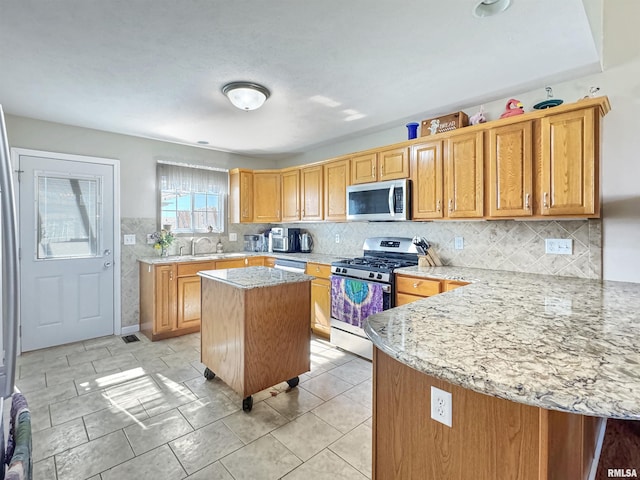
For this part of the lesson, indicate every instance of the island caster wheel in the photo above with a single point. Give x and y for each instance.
(293, 383)
(247, 404)
(208, 374)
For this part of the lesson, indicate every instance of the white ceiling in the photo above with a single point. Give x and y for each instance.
(154, 68)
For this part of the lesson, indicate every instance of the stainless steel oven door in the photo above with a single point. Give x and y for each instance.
(353, 300)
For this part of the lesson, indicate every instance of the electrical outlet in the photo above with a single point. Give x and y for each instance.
(458, 243)
(233, 237)
(337, 238)
(441, 406)
(558, 246)
(129, 239)
(150, 240)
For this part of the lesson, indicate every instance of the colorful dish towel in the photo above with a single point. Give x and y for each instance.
(18, 453)
(352, 301)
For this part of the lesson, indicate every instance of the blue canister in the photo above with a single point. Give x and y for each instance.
(413, 130)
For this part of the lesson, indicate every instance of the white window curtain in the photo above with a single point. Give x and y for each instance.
(191, 199)
(193, 180)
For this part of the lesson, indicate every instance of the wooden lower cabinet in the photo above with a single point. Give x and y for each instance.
(320, 298)
(490, 438)
(170, 295)
(409, 289)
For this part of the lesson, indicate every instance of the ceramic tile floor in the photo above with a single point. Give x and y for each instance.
(103, 409)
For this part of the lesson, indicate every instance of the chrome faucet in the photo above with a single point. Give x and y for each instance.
(195, 241)
(181, 247)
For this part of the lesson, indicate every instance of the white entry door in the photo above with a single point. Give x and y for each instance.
(66, 212)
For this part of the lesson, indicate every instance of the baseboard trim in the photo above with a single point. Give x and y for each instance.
(129, 330)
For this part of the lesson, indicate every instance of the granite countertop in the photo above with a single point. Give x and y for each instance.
(307, 257)
(559, 343)
(255, 277)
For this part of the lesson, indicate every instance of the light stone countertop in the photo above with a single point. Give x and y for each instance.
(559, 343)
(307, 257)
(254, 277)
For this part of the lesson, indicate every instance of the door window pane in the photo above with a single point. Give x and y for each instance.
(68, 216)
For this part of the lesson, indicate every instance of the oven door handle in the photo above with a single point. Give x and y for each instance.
(392, 208)
(386, 287)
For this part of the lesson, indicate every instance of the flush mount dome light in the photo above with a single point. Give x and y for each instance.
(487, 8)
(246, 96)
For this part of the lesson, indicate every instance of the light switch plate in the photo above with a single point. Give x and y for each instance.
(458, 243)
(233, 237)
(130, 239)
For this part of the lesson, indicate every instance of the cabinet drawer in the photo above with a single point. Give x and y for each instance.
(192, 268)
(404, 298)
(234, 263)
(452, 285)
(318, 270)
(418, 286)
(254, 261)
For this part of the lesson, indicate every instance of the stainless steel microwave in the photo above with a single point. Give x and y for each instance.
(381, 201)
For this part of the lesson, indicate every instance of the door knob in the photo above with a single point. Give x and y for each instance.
(107, 252)
(107, 264)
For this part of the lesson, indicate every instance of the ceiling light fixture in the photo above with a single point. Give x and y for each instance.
(245, 95)
(487, 8)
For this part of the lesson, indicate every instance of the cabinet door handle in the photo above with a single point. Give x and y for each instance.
(545, 203)
(526, 201)
(171, 276)
(451, 204)
(438, 206)
(382, 170)
(303, 212)
(416, 285)
(373, 171)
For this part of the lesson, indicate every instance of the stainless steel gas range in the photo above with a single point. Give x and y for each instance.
(365, 285)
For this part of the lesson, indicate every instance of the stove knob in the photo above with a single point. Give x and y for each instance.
(371, 275)
(379, 276)
(344, 270)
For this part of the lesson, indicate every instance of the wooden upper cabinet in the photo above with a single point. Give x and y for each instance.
(291, 195)
(393, 164)
(364, 168)
(510, 156)
(390, 164)
(336, 180)
(240, 196)
(464, 163)
(266, 197)
(569, 173)
(426, 175)
(311, 193)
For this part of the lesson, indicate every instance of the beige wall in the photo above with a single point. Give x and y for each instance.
(620, 160)
(137, 156)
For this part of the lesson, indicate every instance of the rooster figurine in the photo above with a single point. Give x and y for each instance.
(514, 107)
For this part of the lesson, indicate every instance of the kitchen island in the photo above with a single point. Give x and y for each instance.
(533, 363)
(255, 327)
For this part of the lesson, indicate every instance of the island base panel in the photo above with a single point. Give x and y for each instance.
(255, 338)
(490, 438)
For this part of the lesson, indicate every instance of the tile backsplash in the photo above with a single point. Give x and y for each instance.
(502, 245)
(517, 246)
